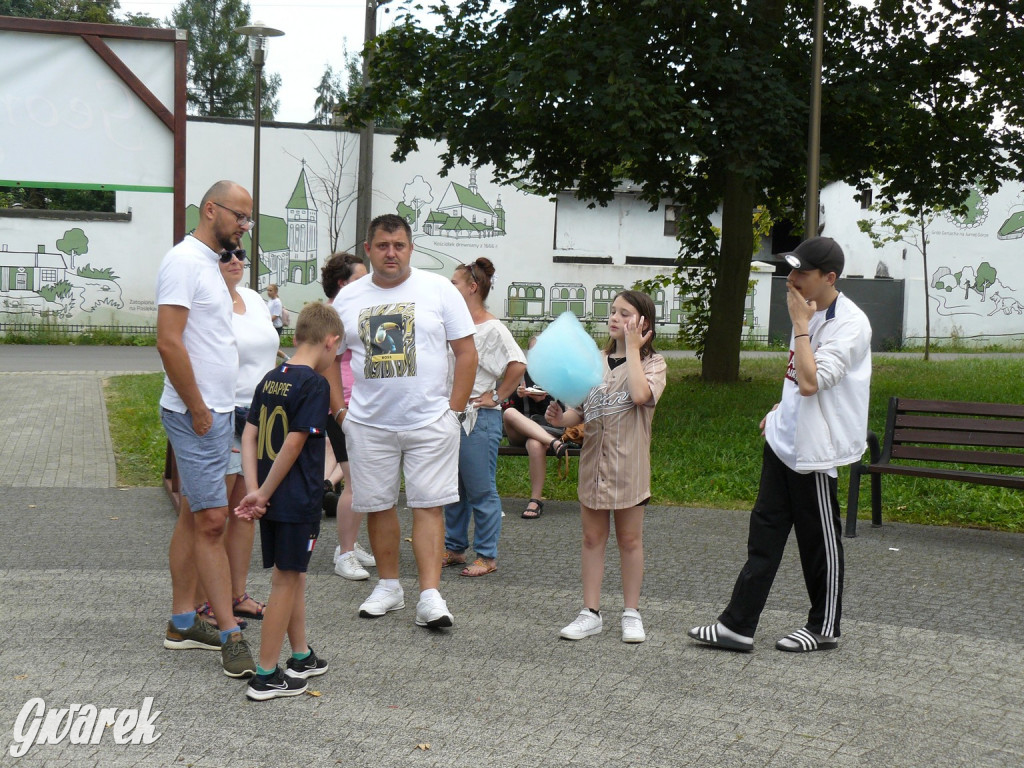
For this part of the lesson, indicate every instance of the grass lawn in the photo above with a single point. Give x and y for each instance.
(706, 450)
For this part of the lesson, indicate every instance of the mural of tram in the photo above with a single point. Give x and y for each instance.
(603, 297)
(568, 297)
(525, 301)
(529, 301)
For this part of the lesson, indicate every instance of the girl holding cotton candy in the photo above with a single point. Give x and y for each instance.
(615, 464)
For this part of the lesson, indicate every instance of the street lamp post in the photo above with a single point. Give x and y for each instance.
(814, 129)
(257, 33)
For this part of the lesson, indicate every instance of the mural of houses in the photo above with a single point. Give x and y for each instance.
(30, 270)
(462, 213)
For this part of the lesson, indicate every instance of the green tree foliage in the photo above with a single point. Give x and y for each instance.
(705, 103)
(221, 76)
(95, 11)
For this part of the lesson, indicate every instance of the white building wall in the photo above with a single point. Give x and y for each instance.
(957, 246)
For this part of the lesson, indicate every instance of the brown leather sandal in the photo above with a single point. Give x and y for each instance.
(452, 558)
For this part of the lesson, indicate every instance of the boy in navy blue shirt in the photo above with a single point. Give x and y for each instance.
(283, 461)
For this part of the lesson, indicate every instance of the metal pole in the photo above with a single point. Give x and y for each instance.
(364, 190)
(254, 233)
(814, 131)
(254, 260)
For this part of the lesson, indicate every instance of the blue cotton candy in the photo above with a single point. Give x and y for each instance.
(565, 361)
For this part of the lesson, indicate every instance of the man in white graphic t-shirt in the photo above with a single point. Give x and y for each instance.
(402, 419)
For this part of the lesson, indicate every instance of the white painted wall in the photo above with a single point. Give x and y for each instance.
(993, 234)
(522, 253)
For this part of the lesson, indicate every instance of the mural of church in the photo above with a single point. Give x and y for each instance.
(287, 245)
(462, 212)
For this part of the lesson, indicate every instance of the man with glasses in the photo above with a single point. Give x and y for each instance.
(196, 342)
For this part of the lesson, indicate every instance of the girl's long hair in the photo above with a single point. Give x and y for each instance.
(644, 306)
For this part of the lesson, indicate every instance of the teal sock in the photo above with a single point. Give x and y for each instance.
(183, 620)
(265, 673)
(301, 656)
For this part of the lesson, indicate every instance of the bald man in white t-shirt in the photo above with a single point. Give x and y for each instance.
(196, 342)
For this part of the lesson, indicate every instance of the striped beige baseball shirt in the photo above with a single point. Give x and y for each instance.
(615, 461)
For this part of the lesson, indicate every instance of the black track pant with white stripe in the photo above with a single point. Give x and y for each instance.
(807, 503)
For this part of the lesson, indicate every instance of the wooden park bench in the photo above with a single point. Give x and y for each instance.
(936, 435)
(520, 450)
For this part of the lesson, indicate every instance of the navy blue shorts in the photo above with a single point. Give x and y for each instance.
(288, 546)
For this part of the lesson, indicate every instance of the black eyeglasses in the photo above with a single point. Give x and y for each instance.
(240, 218)
(238, 253)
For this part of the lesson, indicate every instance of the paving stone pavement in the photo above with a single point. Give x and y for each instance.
(929, 672)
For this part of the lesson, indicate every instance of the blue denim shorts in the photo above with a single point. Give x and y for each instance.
(202, 461)
(235, 458)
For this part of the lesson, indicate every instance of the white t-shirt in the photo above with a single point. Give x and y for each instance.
(399, 341)
(190, 277)
(274, 307)
(495, 349)
(257, 345)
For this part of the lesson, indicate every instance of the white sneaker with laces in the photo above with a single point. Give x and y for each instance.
(382, 600)
(632, 627)
(586, 624)
(348, 567)
(433, 612)
(365, 558)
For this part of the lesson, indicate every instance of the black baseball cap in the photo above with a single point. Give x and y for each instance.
(821, 253)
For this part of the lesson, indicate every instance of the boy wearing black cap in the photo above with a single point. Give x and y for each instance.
(819, 424)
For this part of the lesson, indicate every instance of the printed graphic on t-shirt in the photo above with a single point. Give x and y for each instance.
(602, 403)
(791, 368)
(388, 333)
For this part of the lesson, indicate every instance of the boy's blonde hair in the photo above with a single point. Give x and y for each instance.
(316, 322)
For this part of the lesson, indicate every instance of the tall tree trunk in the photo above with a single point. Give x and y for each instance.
(721, 361)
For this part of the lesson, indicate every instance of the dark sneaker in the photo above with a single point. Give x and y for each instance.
(277, 685)
(310, 666)
(200, 635)
(236, 657)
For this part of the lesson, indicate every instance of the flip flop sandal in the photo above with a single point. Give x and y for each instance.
(205, 612)
(480, 567)
(452, 558)
(805, 641)
(256, 615)
(536, 512)
(709, 635)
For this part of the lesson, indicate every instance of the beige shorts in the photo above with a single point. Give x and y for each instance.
(428, 457)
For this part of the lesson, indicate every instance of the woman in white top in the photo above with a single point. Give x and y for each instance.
(500, 367)
(257, 353)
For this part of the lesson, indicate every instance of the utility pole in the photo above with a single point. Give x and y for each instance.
(364, 189)
(814, 130)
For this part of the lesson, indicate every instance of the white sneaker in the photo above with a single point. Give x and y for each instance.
(382, 600)
(433, 612)
(365, 558)
(348, 567)
(586, 624)
(632, 627)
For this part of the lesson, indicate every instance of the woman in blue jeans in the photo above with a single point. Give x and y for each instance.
(501, 365)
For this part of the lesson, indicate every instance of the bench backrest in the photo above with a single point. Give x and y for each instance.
(959, 432)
